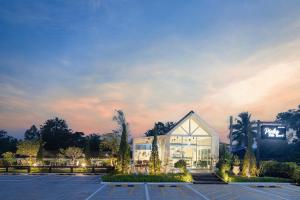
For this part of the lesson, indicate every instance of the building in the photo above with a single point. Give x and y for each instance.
(191, 139)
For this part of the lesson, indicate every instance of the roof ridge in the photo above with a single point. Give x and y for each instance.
(182, 119)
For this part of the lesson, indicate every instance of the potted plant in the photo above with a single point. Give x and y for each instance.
(236, 165)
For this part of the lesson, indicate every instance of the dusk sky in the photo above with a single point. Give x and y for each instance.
(155, 60)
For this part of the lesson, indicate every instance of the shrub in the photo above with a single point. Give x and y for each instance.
(236, 161)
(223, 172)
(277, 169)
(246, 164)
(253, 168)
(8, 158)
(296, 175)
(181, 164)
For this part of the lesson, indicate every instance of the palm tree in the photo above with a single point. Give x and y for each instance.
(243, 131)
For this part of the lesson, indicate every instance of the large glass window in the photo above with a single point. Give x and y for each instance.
(196, 151)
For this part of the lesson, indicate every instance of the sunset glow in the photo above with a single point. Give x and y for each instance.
(154, 60)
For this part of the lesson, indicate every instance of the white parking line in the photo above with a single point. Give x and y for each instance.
(290, 188)
(95, 192)
(196, 191)
(263, 192)
(147, 192)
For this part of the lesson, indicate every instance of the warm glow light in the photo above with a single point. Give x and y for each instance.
(34, 164)
(83, 164)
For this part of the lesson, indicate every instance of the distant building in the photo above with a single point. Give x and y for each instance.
(191, 139)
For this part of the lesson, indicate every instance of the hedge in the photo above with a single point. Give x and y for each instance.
(277, 169)
(147, 178)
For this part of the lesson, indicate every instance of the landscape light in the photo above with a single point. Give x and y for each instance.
(83, 164)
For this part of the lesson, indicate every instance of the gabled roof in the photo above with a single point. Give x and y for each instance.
(181, 120)
(201, 122)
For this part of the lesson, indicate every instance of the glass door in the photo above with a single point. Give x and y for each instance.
(204, 158)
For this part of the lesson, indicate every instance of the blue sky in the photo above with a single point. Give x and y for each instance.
(156, 60)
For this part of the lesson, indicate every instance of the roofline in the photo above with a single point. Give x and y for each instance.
(182, 119)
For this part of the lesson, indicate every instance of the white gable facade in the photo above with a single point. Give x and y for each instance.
(191, 139)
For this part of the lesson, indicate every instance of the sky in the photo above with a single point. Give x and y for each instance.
(156, 60)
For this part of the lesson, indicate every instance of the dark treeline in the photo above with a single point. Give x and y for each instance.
(55, 135)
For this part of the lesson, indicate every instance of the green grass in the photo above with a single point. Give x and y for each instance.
(259, 179)
(147, 178)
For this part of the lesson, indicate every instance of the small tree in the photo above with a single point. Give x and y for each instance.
(181, 164)
(28, 148)
(8, 158)
(124, 150)
(73, 153)
(246, 163)
(154, 163)
(253, 167)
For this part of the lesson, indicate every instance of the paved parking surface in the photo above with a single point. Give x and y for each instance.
(91, 188)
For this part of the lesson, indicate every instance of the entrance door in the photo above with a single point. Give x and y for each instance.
(204, 158)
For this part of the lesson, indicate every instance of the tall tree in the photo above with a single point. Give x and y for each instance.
(28, 148)
(243, 133)
(32, 133)
(7, 143)
(77, 139)
(154, 158)
(55, 134)
(124, 150)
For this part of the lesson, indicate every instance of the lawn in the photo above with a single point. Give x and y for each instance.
(259, 179)
(147, 178)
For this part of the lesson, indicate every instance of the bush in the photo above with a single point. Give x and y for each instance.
(296, 175)
(223, 172)
(8, 158)
(253, 168)
(236, 161)
(181, 164)
(246, 164)
(277, 169)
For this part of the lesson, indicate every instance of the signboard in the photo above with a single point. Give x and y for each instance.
(273, 132)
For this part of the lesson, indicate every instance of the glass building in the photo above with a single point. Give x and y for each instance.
(191, 139)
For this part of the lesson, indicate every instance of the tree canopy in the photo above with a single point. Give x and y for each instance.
(32, 133)
(243, 131)
(55, 134)
(28, 148)
(292, 119)
(162, 128)
(7, 143)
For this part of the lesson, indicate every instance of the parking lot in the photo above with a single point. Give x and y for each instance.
(90, 187)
